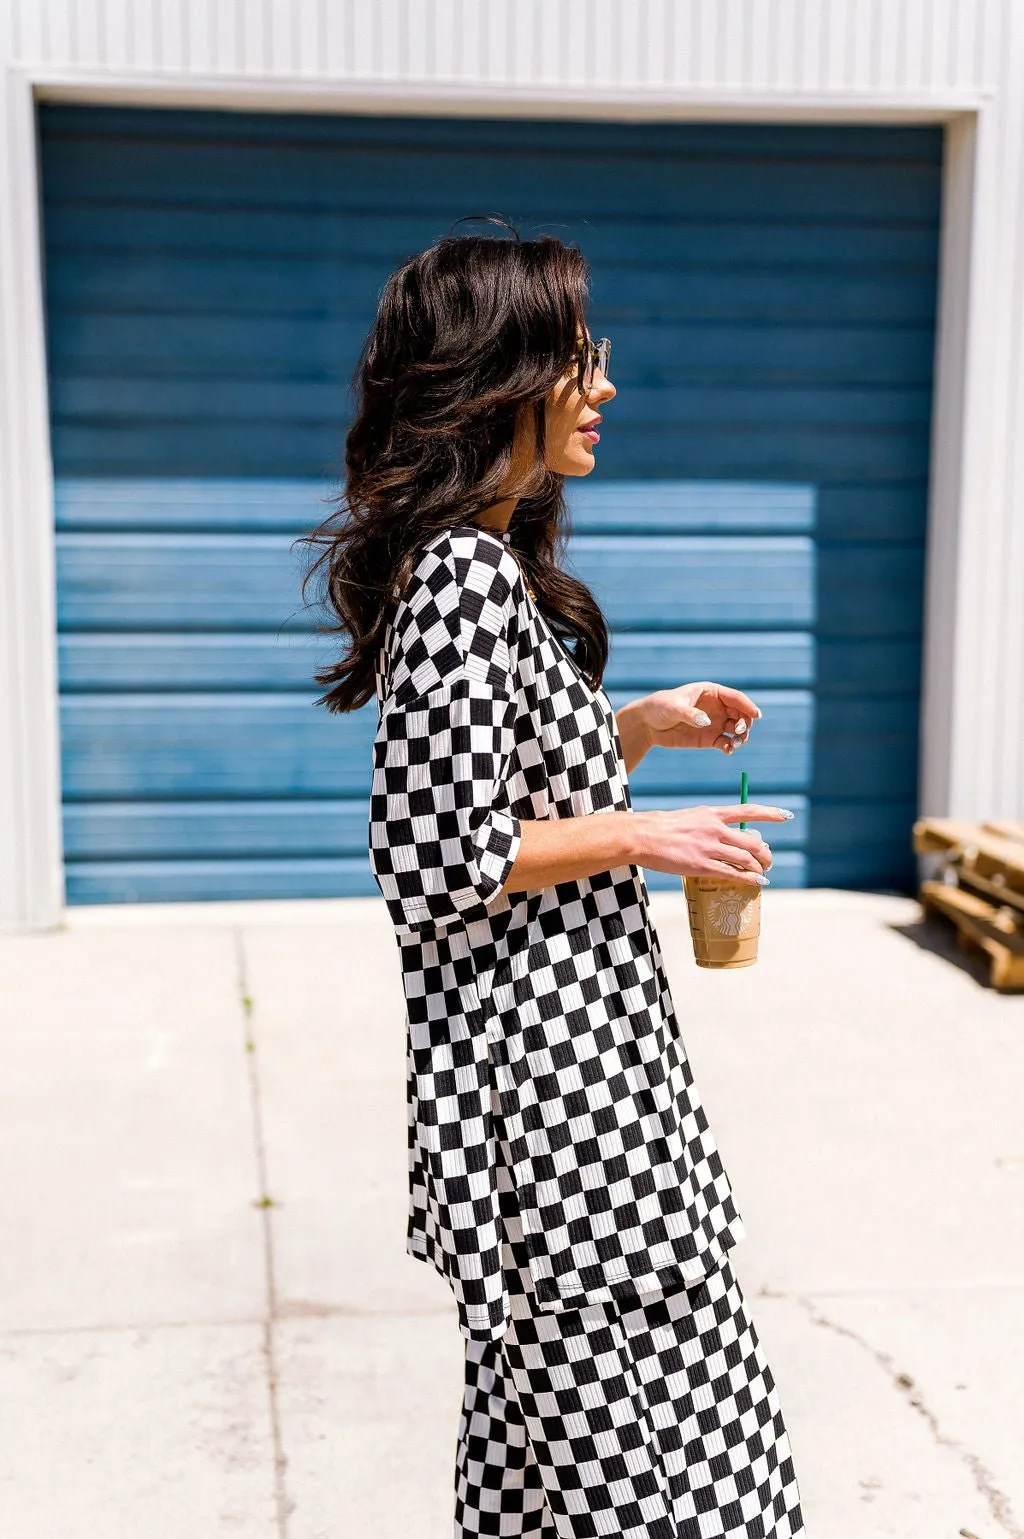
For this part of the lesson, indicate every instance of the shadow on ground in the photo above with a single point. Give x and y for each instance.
(940, 939)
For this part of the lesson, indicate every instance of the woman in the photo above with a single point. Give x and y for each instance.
(563, 1176)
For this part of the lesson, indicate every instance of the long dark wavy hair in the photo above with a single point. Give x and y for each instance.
(468, 334)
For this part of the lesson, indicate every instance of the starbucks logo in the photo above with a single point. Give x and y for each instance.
(732, 913)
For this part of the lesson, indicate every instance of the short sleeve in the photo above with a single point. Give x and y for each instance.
(442, 838)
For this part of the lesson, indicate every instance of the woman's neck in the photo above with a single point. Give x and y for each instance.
(498, 515)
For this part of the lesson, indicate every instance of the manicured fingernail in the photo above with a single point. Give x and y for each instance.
(786, 812)
(764, 881)
(741, 727)
(701, 719)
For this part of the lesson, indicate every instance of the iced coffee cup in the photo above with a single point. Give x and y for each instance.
(725, 921)
(725, 917)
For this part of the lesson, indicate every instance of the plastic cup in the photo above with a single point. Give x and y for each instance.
(725, 921)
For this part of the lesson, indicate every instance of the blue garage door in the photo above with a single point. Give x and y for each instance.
(758, 513)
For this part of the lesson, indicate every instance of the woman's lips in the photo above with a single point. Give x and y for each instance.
(590, 434)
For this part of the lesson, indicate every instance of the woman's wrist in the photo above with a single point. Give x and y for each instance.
(638, 834)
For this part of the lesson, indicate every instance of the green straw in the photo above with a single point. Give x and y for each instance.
(743, 790)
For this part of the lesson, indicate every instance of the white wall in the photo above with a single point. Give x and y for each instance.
(778, 45)
(959, 61)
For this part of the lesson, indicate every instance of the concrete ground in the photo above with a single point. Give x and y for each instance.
(208, 1323)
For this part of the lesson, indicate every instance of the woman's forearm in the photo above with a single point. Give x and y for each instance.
(633, 733)
(554, 850)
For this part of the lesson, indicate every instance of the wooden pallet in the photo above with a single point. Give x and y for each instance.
(974, 847)
(1014, 831)
(982, 891)
(983, 928)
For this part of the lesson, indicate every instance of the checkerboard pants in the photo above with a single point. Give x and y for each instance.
(657, 1419)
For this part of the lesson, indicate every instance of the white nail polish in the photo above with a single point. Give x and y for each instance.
(741, 727)
(701, 719)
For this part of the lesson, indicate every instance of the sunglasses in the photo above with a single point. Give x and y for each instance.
(592, 356)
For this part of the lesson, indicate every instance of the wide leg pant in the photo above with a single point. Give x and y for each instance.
(658, 1419)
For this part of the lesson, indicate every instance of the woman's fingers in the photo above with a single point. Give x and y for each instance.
(753, 812)
(743, 860)
(751, 843)
(751, 877)
(733, 735)
(747, 839)
(737, 703)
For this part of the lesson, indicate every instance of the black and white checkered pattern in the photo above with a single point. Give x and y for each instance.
(655, 1418)
(557, 1000)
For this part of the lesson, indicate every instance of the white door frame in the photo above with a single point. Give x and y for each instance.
(32, 893)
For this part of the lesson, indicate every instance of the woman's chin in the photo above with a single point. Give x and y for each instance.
(577, 462)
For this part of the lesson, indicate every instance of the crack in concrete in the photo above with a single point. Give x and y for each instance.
(113, 1327)
(984, 1481)
(311, 1309)
(264, 1205)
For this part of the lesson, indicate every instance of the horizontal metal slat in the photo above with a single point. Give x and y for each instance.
(640, 661)
(176, 881)
(99, 398)
(271, 446)
(905, 144)
(292, 828)
(653, 505)
(205, 747)
(211, 746)
(624, 243)
(323, 286)
(170, 881)
(217, 348)
(225, 582)
(854, 834)
(446, 181)
(279, 830)
(138, 661)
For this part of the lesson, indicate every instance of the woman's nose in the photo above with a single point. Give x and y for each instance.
(601, 389)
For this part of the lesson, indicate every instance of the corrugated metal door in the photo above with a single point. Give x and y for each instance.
(758, 514)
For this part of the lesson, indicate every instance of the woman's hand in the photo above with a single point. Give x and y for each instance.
(698, 841)
(700, 715)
